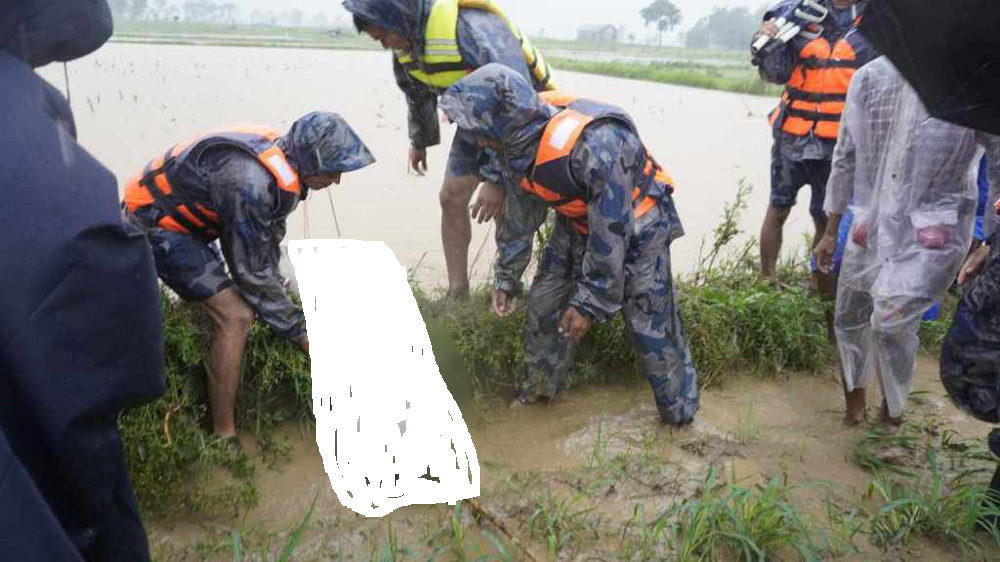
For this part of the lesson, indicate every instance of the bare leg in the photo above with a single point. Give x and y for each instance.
(817, 282)
(456, 229)
(855, 401)
(856, 407)
(231, 319)
(770, 241)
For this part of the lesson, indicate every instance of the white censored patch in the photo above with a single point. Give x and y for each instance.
(388, 429)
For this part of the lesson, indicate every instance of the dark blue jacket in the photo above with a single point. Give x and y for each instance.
(30, 529)
(80, 329)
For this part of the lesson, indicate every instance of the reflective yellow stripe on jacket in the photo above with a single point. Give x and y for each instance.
(442, 64)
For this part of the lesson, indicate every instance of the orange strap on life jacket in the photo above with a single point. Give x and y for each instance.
(152, 185)
(558, 98)
(558, 141)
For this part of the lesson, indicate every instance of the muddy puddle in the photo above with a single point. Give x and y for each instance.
(596, 460)
(134, 101)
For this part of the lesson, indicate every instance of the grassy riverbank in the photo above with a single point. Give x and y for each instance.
(741, 79)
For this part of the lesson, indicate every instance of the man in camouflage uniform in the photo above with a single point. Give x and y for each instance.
(251, 209)
(482, 37)
(622, 262)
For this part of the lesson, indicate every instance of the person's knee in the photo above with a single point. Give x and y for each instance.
(546, 302)
(456, 192)
(541, 311)
(230, 313)
(774, 220)
(778, 214)
(241, 318)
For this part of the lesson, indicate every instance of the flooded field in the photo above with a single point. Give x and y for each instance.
(134, 101)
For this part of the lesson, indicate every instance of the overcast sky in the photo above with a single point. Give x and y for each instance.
(559, 18)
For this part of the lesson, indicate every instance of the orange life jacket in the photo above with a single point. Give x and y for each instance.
(173, 182)
(814, 97)
(550, 178)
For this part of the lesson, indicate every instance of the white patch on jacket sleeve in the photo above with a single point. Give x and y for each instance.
(388, 429)
(562, 133)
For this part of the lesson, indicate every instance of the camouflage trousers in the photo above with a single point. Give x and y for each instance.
(650, 309)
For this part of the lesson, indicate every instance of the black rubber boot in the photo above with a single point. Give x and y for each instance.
(994, 442)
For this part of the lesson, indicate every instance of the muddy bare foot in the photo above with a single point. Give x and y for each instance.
(854, 419)
(857, 411)
(888, 421)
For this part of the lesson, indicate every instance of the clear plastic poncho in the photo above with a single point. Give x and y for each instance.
(910, 180)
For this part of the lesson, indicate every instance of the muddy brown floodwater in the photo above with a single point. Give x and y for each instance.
(134, 101)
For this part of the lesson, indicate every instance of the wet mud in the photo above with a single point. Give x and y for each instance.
(596, 461)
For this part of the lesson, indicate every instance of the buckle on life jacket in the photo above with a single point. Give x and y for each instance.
(164, 201)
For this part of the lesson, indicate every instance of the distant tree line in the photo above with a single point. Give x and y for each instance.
(213, 11)
(664, 14)
(725, 28)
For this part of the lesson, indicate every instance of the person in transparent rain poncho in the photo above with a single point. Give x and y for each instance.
(909, 180)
